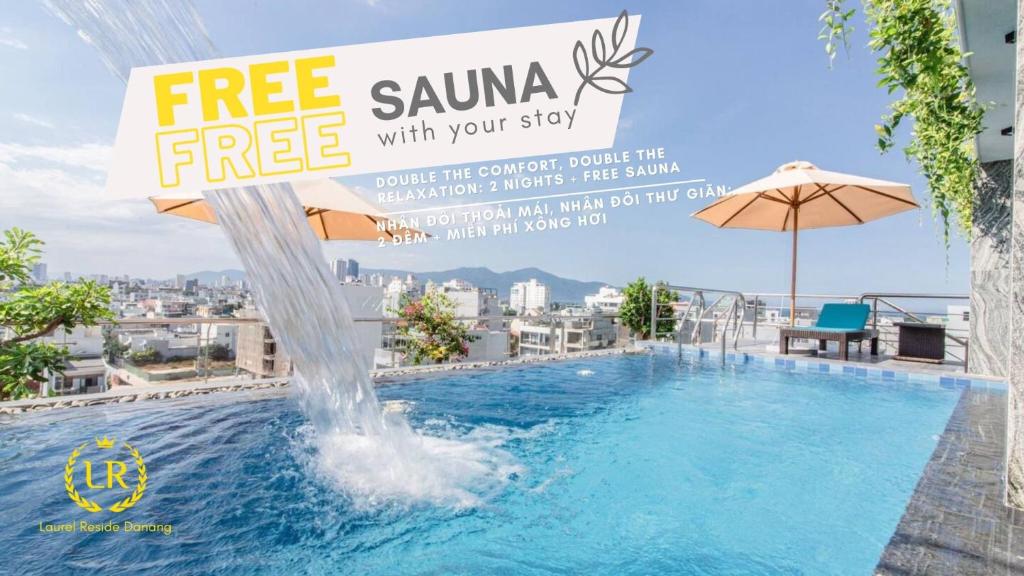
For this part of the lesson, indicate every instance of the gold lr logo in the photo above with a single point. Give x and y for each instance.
(106, 474)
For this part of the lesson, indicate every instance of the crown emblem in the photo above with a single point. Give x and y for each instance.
(104, 442)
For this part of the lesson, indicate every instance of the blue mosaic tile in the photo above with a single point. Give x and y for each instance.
(989, 385)
(918, 379)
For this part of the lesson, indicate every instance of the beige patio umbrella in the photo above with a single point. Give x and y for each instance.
(799, 196)
(334, 211)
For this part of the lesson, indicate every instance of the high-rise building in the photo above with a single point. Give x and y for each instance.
(353, 268)
(39, 273)
(530, 296)
(179, 281)
(339, 268)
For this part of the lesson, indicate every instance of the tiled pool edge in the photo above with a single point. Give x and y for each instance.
(828, 366)
(382, 377)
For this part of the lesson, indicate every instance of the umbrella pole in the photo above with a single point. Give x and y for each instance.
(792, 279)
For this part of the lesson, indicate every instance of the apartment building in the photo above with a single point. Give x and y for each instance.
(572, 331)
(256, 351)
(607, 300)
(531, 296)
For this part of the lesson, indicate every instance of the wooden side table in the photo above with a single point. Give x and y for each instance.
(920, 342)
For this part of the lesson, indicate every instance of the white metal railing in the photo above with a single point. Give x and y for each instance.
(711, 315)
(886, 299)
(591, 330)
(759, 312)
(697, 311)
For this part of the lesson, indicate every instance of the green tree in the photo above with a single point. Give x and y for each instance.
(635, 312)
(29, 312)
(430, 329)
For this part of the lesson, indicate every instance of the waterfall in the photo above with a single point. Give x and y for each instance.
(372, 456)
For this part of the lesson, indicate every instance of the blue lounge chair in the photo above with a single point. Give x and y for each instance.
(842, 323)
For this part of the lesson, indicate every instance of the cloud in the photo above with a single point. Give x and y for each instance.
(28, 119)
(8, 39)
(58, 192)
(93, 157)
(64, 182)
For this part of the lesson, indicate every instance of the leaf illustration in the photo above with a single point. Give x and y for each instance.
(619, 30)
(610, 85)
(638, 55)
(580, 58)
(603, 59)
(599, 50)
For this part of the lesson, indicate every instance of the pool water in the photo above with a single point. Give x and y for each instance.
(649, 465)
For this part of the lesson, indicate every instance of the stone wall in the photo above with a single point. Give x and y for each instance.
(989, 352)
(1015, 420)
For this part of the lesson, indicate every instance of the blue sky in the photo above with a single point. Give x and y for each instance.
(734, 89)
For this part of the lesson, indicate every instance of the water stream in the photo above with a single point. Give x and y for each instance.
(373, 456)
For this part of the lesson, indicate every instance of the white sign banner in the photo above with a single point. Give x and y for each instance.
(377, 107)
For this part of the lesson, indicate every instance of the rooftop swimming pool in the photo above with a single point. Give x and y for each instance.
(643, 465)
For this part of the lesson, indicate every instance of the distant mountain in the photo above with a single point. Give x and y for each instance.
(562, 289)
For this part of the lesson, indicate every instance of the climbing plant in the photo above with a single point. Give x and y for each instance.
(919, 57)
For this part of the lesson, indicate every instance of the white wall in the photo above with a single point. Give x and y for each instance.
(365, 302)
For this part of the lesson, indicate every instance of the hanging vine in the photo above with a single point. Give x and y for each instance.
(918, 54)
